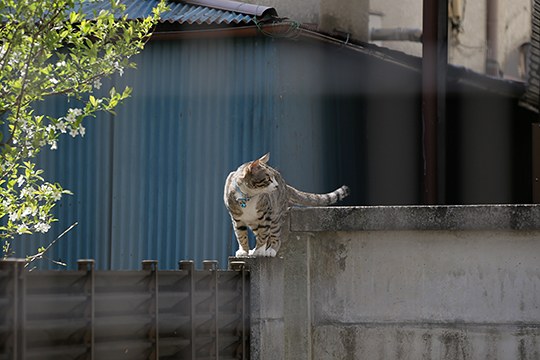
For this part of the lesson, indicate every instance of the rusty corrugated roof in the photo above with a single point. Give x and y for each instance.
(191, 11)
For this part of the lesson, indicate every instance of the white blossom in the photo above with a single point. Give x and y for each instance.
(25, 192)
(13, 216)
(56, 195)
(74, 132)
(97, 84)
(73, 113)
(71, 117)
(61, 125)
(42, 227)
(20, 180)
(27, 211)
(82, 130)
(53, 145)
(119, 68)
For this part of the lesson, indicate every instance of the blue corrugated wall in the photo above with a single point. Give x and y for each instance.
(148, 182)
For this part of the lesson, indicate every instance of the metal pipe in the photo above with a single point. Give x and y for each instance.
(492, 38)
(434, 63)
(397, 34)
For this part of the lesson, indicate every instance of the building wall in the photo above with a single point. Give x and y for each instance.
(468, 47)
(514, 30)
(329, 16)
(404, 283)
(399, 14)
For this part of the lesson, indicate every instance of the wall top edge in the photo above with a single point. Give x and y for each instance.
(417, 217)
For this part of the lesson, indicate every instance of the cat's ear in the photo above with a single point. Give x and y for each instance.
(254, 165)
(264, 159)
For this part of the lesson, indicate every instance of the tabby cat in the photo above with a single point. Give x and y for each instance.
(257, 197)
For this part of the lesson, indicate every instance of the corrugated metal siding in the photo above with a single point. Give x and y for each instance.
(175, 144)
(181, 133)
(178, 12)
(149, 184)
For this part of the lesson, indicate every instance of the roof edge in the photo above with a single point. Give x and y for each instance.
(235, 6)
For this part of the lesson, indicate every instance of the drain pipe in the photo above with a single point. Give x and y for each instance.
(397, 34)
(434, 64)
(492, 38)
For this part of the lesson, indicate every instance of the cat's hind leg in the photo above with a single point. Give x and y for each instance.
(274, 241)
(262, 234)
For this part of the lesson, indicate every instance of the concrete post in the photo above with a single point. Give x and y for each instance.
(266, 301)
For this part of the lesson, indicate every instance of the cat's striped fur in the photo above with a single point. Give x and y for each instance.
(257, 197)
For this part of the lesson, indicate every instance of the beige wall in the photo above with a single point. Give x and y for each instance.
(515, 27)
(467, 48)
(330, 15)
(399, 14)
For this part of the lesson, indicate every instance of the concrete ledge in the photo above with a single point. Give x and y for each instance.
(389, 218)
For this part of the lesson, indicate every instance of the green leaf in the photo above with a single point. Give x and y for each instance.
(93, 101)
(73, 17)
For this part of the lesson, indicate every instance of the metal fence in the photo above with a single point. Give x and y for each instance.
(147, 314)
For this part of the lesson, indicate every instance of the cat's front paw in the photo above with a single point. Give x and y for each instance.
(241, 253)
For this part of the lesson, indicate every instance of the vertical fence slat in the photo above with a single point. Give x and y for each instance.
(153, 334)
(15, 268)
(211, 266)
(189, 266)
(20, 313)
(89, 266)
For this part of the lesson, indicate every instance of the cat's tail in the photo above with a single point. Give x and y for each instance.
(297, 197)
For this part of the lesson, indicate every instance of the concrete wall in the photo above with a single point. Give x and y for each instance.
(458, 282)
